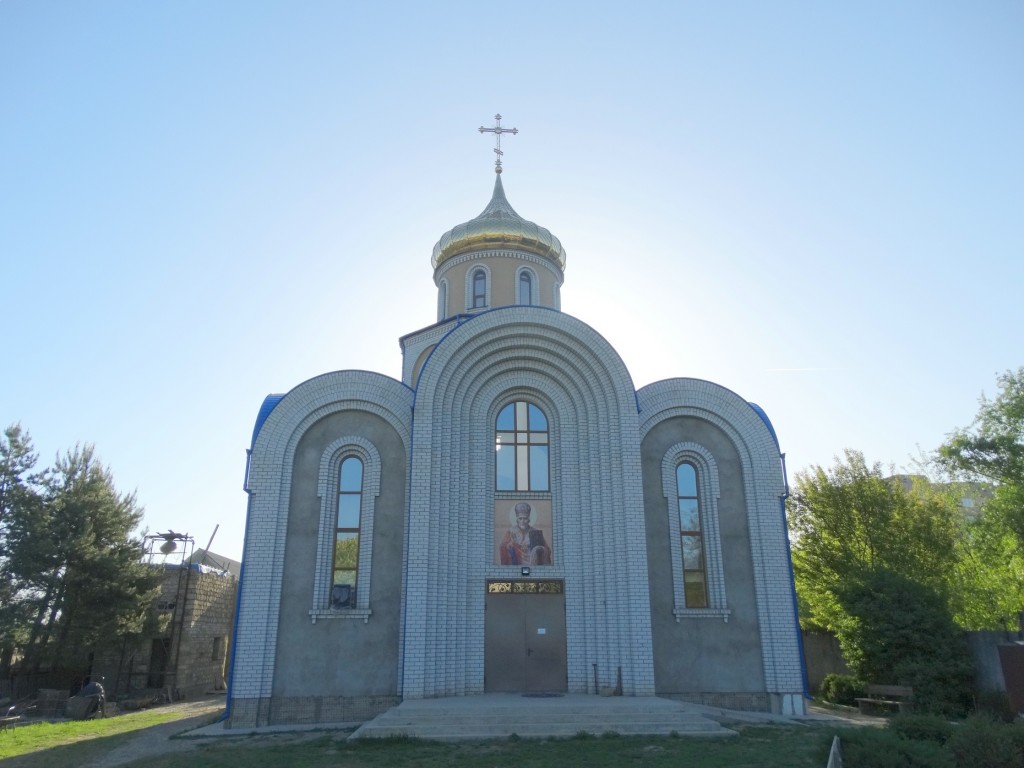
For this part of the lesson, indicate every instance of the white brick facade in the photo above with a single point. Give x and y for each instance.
(578, 379)
(765, 490)
(427, 523)
(269, 485)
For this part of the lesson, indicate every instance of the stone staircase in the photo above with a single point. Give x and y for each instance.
(495, 716)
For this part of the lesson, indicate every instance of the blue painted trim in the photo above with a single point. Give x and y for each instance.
(459, 321)
(406, 535)
(767, 422)
(269, 403)
(234, 628)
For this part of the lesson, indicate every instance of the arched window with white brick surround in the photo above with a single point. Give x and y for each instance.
(690, 484)
(348, 487)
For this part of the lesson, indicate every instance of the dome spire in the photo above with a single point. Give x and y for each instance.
(499, 207)
(497, 130)
(499, 227)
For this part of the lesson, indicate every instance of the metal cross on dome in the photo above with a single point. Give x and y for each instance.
(497, 130)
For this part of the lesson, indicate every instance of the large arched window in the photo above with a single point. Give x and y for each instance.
(479, 289)
(521, 447)
(695, 590)
(346, 536)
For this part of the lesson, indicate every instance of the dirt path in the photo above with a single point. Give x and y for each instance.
(157, 740)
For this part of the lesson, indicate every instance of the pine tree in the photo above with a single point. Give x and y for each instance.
(76, 567)
(18, 492)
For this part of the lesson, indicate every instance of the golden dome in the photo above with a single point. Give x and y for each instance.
(498, 227)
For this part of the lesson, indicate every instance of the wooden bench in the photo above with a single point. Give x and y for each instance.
(893, 697)
(10, 721)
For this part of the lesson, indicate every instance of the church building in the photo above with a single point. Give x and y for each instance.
(512, 516)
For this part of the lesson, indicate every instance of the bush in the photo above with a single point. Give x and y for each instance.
(941, 683)
(995, 704)
(921, 728)
(877, 748)
(1016, 734)
(924, 754)
(870, 748)
(899, 632)
(841, 689)
(983, 743)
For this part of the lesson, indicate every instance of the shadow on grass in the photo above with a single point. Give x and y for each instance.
(95, 750)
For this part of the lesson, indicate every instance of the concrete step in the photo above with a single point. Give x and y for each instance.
(491, 716)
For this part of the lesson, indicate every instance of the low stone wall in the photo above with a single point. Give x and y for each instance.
(50, 702)
(746, 702)
(988, 672)
(307, 710)
(822, 656)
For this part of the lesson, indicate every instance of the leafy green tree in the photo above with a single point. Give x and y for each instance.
(994, 447)
(852, 519)
(896, 630)
(76, 567)
(988, 580)
(988, 459)
(992, 450)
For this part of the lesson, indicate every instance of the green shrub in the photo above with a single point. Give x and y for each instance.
(841, 689)
(995, 704)
(870, 748)
(899, 632)
(1016, 733)
(925, 754)
(921, 728)
(941, 683)
(878, 748)
(983, 743)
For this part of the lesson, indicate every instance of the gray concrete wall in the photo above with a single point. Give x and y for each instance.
(341, 657)
(701, 655)
(822, 654)
(988, 672)
(822, 657)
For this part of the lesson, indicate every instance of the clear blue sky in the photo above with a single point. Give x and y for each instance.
(817, 205)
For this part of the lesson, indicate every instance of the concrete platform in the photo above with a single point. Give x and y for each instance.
(491, 716)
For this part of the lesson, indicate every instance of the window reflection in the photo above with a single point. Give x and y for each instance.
(525, 288)
(692, 538)
(346, 538)
(521, 448)
(479, 289)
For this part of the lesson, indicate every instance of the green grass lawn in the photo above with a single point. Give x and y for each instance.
(71, 744)
(762, 746)
(56, 745)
